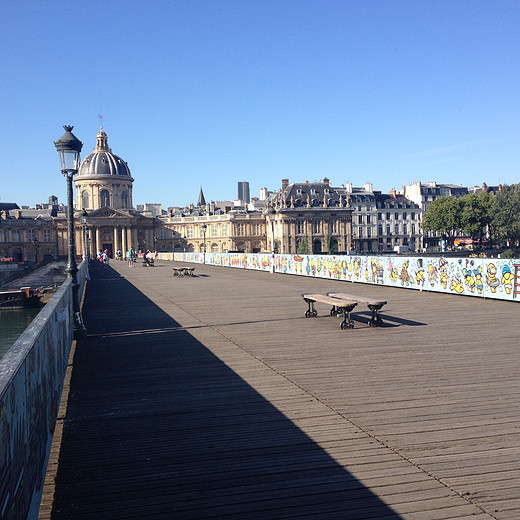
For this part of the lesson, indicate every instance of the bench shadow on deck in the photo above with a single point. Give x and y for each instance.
(158, 427)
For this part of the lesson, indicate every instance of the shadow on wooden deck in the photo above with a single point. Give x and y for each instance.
(158, 427)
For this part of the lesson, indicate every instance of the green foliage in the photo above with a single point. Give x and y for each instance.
(303, 246)
(276, 247)
(476, 214)
(331, 244)
(506, 214)
(444, 216)
(508, 253)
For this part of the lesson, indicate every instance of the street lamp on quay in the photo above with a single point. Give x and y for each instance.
(204, 228)
(86, 247)
(69, 149)
(83, 219)
(271, 212)
(35, 243)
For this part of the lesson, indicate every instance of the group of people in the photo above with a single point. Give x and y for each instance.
(149, 257)
(103, 257)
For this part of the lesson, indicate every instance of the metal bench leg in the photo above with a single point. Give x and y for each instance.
(347, 322)
(311, 312)
(376, 320)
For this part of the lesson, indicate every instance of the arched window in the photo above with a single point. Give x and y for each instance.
(124, 200)
(85, 200)
(104, 197)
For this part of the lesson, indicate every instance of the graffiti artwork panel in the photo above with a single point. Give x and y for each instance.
(483, 277)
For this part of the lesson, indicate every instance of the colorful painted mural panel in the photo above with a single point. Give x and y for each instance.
(483, 277)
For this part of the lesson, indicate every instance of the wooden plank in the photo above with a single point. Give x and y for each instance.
(197, 408)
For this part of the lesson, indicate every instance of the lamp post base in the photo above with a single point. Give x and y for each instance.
(80, 330)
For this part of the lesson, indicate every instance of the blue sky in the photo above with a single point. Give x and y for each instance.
(209, 93)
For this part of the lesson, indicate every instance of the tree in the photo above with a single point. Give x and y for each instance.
(444, 216)
(331, 244)
(476, 215)
(506, 214)
(303, 246)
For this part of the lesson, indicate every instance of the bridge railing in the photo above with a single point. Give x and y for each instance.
(32, 373)
(470, 276)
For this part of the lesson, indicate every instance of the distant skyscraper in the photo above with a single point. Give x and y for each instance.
(243, 191)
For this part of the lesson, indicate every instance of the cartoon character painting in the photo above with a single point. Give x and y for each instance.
(478, 279)
(443, 267)
(468, 279)
(432, 274)
(456, 284)
(405, 277)
(492, 280)
(507, 279)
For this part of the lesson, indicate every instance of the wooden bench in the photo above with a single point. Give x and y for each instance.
(339, 306)
(372, 303)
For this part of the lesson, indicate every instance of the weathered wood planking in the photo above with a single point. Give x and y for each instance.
(215, 397)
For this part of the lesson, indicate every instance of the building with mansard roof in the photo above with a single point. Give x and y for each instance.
(311, 211)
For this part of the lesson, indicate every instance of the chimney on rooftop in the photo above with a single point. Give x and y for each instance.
(285, 183)
(393, 192)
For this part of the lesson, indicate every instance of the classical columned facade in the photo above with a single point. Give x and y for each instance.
(233, 231)
(288, 227)
(109, 230)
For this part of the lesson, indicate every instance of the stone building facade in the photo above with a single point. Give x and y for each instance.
(315, 212)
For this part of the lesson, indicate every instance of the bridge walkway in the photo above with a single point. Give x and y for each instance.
(213, 397)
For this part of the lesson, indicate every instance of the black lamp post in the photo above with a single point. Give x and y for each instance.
(83, 219)
(204, 228)
(271, 212)
(35, 242)
(69, 148)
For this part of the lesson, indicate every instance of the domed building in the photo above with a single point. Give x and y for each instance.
(104, 190)
(103, 179)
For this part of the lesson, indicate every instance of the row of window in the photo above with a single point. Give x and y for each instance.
(29, 235)
(241, 229)
(104, 199)
(317, 226)
(367, 232)
(388, 216)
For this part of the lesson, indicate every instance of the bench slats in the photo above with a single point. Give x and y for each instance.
(359, 299)
(322, 298)
(373, 304)
(340, 306)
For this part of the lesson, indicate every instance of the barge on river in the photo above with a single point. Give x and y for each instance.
(20, 298)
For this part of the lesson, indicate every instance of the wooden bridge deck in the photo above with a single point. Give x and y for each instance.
(213, 397)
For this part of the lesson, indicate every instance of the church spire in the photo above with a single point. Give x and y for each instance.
(202, 200)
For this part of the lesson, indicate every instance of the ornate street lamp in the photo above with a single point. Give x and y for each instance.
(69, 148)
(83, 219)
(204, 228)
(35, 243)
(86, 248)
(271, 212)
